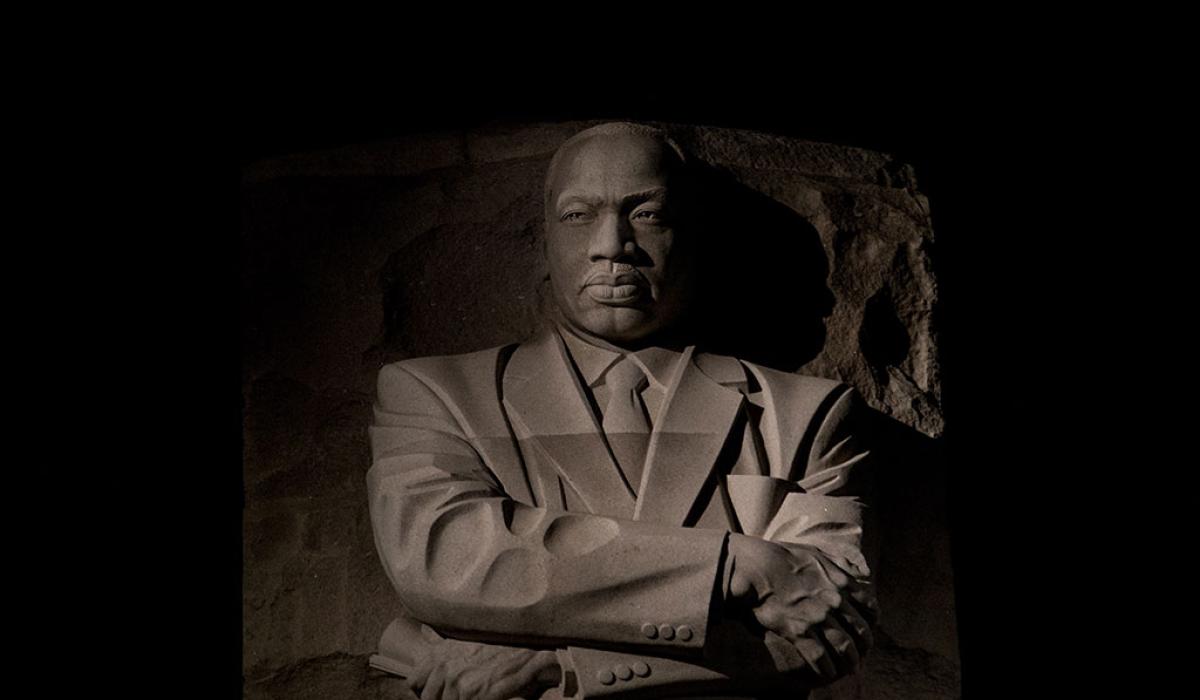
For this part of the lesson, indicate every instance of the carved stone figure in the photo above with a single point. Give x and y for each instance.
(608, 509)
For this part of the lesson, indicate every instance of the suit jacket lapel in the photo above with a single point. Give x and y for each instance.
(688, 437)
(549, 408)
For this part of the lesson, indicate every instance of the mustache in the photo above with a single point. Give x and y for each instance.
(613, 274)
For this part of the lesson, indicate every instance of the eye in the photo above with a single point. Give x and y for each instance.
(648, 216)
(575, 216)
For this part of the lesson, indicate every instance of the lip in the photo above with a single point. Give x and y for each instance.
(615, 294)
(617, 284)
(608, 279)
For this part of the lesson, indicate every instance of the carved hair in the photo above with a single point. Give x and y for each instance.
(611, 129)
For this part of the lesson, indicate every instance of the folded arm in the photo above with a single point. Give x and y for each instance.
(798, 604)
(627, 603)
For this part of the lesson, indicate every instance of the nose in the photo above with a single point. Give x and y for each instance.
(612, 238)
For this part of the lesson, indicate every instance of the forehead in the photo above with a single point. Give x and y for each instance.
(612, 165)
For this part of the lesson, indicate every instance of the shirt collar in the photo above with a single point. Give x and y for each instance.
(594, 361)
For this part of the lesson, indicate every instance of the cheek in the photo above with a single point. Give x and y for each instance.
(558, 256)
(566, 245)
(661, 252)
(564, 269)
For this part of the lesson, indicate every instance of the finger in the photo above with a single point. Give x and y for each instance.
(816, 656)
(837, 577)
(814, 609)
(818, 571)
(523, 681)
(434, 684)
(863, 595)
(417, 679)
(830, 571)
(842, 648)
(812, 578)
(772, 615)
(856, 625)
(514, 661)
(519, 684)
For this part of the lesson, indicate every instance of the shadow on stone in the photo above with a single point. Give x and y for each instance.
(911, 549)
(764, 297)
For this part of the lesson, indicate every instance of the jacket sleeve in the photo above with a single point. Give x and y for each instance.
(475, 564)
(819, 498)
(828, 508)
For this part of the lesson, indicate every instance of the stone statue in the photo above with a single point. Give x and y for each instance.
(608, 509)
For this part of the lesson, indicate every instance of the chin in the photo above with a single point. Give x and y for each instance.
(619, 324)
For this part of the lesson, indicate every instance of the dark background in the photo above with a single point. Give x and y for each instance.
(991, 151)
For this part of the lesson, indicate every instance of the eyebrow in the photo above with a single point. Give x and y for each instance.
(570, 196)
(646, 195)
(637, 197)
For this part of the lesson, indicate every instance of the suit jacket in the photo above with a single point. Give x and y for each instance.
(501, 517)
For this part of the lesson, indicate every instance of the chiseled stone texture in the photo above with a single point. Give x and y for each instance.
(429, 244)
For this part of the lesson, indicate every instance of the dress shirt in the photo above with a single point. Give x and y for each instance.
(593, 362)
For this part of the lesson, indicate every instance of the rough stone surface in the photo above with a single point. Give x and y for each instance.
(359, 256)
(328, 678)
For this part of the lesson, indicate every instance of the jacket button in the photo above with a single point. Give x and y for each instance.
(641, 669)
(667, 631)
(684, 632)
(649, 630)
(623, 672)
(605, 677)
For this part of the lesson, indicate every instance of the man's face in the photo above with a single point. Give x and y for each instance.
(617, 265)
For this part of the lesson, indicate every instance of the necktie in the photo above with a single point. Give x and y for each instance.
(625, 421)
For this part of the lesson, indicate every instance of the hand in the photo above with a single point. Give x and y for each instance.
(797, 593)
(458, 670)
(860, 591)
